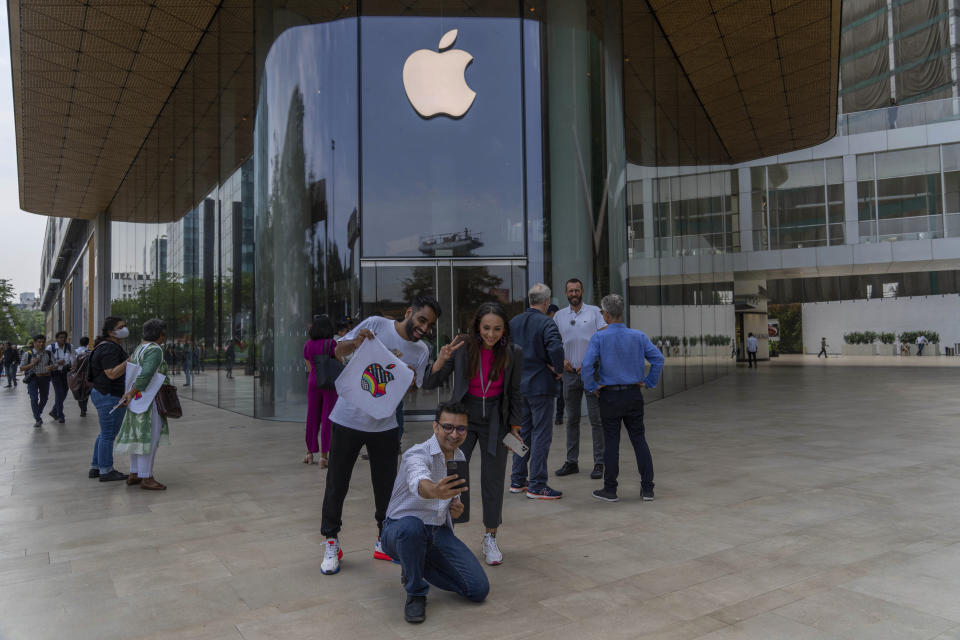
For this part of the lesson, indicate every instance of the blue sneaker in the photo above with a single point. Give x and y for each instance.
(546, 493)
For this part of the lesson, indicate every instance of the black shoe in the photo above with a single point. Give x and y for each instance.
(415, 610)
(38, 424)
(647, 495)
(83, 414)
(113, 476)
(597, 472)
(568, 468)
(94, 473)
(61, 420)
(52, 415)
(606, 495)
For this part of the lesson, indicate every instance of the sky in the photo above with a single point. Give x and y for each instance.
(20, 253)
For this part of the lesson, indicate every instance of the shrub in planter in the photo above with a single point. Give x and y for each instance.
(888, 338)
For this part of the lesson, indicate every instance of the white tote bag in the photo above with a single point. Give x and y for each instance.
(374, 380)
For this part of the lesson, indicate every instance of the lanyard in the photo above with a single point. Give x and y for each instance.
(484, 389)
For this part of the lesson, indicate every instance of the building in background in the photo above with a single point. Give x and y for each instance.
(241, 166)
(861, 233)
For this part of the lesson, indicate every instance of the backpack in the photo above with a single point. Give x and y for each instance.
(78, 378)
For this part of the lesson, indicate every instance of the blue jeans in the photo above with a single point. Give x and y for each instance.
(430, 553)
(59, 381)
(109, 427)
(188, 371)
(39, 390)
(11, 373)
(536, 431)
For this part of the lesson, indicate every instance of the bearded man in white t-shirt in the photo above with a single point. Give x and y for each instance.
(353, 429)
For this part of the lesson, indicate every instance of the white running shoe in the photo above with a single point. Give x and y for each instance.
(491, 552)
(331, 557)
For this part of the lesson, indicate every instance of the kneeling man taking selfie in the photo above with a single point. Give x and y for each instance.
(418, 531)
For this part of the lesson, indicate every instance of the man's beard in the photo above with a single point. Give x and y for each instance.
(409, 328)
(574, 301)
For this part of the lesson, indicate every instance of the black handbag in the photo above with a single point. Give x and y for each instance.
(168, 402)
(326, 370)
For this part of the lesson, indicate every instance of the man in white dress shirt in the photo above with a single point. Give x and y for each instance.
(418, 530)
(577, 323)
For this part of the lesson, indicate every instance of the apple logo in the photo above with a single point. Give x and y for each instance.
(434, 81)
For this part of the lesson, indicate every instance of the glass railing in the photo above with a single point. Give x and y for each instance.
(899, 117)
(909, 228)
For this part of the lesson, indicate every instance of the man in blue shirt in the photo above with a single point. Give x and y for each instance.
(538, 336)
(613, 368)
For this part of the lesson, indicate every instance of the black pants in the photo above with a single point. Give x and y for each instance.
(493, 468)
(345, 444)
(751, 359)
(58, 380)
(626, 406)
(823, 352)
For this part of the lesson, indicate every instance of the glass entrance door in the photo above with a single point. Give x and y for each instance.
(459, 285)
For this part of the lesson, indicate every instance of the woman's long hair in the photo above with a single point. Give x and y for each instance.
(501, 351)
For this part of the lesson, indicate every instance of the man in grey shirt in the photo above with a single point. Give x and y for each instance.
(577, 324)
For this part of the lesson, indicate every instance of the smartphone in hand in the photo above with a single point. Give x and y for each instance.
(461, 469)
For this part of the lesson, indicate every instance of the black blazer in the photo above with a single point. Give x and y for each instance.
(510, 407)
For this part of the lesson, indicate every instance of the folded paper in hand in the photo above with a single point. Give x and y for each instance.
(140, 401)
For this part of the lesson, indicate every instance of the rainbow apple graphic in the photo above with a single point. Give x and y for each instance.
(434, 80)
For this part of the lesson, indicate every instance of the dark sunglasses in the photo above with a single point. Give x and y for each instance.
(448, 428)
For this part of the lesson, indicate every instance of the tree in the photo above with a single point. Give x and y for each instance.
(12, 325)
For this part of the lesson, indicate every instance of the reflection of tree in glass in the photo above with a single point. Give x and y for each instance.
(471, 287)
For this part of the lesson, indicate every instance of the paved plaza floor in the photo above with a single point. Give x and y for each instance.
(796, 502)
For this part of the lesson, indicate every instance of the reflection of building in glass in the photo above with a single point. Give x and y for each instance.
(263, 165)
(460, 243)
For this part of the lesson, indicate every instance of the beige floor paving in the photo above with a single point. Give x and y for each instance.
(808, 499)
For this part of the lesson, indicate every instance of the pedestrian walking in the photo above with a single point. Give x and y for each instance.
(538, 338)
(82, 395)
(752, 345)
(823, 348)
(319, 401)
(11, 358)
(36, 366)
(61, 355)
(487, 368)
(577, 324)
(352, 428)
(141, 433)
(614, 369)
(107, 369)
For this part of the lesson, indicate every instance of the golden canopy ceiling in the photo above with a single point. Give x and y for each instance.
(731, 81)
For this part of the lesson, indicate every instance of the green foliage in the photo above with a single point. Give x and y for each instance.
(774, 348)
(16, 325)
(888, 338)
(791, 326)
(861, 337)
(911, 336)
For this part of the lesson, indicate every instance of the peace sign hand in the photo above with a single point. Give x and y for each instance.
(447, 351)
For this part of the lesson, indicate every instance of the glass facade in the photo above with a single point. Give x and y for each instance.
(292, 173)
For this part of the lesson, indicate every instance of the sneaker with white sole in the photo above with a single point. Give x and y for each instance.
(378, 553)
(491, 552)
(331, 557)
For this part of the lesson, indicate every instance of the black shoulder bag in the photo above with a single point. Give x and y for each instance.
(326, 369)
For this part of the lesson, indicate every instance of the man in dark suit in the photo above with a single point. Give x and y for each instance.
(538, 336)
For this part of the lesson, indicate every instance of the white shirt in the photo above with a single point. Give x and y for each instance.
(415, 354)
(576, 334)
(60, 353)
(424, 461)
(752, 344)
(921, 340)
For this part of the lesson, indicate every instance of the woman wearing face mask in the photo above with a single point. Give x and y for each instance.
(486, 370)
(108, 364)
(141, 433)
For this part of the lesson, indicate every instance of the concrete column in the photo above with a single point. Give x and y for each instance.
(891, 50)
(649, 239)
(850, 216)
(102, 263)
(746, 209)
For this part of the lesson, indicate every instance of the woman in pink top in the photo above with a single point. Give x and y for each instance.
(319, 401)
(486, 379)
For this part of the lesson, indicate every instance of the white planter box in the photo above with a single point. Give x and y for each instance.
(859, 349)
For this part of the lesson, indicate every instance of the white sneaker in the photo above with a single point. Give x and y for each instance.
(491, 552)
(331, 557)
